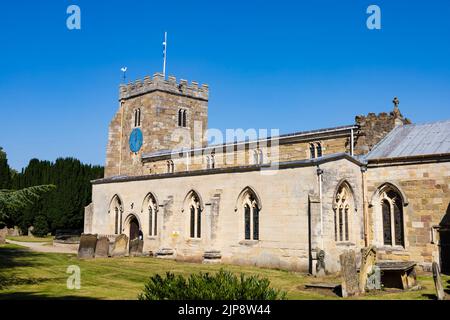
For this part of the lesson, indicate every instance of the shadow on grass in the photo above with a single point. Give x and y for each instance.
(429, 296)
(38, 296)
(13, 280)
(14, 256)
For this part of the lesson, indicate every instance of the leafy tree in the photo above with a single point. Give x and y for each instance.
(40, 226)
(224, 285)
(5, 171)
(63, 207)
(13, 201)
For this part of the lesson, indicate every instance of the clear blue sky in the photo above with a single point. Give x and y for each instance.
(294, 65)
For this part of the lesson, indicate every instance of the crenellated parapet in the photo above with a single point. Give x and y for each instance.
(170, 85)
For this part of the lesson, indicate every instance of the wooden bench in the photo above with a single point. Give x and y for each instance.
(398, 274)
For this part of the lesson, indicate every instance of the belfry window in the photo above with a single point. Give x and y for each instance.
(182, 118)
(392, 217)
(342, 207)
(137, 117)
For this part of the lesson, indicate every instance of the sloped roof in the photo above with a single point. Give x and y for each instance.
(414, 140)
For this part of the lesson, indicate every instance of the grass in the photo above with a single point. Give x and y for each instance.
(30, 239)
(30, 275)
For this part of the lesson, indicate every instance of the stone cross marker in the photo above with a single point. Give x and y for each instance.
(440, 294)
(120, 246)
(350, 283)
(88, 242)
(102, 248)
(368, 259)
(136, 247)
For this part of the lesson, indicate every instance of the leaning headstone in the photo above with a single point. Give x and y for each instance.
(136, 247)
(440, 294)
(374, 279)
(3, 234)
(102, 248)
(88, 242)
(368, 260)
(350, 283)
(120, 246)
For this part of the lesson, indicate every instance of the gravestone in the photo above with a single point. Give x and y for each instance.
(374, 279)
(368, 260)
(120, 246)
(440, 294)
(102, 248)
(86, 249)
(350, 283)
(3, 234)
(136, 247)
(320, 263)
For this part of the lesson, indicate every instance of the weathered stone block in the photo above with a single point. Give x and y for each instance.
(120, 246)
(88, 243)
(102, 248)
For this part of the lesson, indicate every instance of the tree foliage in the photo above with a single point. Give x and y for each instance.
(62, 205)
(13, 201)
(5, 171)
(223, 285)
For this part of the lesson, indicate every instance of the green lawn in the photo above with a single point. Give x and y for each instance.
(30, 239)
(30, 275)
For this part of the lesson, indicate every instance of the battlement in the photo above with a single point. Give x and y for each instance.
(158, 83)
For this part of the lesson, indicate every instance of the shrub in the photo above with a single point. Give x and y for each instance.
(40, 227)
(223, 285)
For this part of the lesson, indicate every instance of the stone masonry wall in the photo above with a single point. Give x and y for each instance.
(426, 187)
(159, 101)
(373, 128)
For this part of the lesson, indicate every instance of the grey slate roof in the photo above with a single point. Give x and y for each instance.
(414, 140)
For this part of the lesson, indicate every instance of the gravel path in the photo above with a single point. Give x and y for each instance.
(46, 247)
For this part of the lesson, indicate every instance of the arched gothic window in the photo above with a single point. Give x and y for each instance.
(195, 216)
(170, 167)
(312, 151)
(152, 209)
(250, 207)
(392, 216)
(213, 161)
(343, 207)
(116, 209)
(319, 149)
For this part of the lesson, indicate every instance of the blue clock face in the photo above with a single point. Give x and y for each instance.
(135, 140)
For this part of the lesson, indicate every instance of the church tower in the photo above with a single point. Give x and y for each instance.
(155, 115)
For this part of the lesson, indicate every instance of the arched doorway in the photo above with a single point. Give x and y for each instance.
(134, 228)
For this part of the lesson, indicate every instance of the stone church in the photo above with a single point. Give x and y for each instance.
(273, 201)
